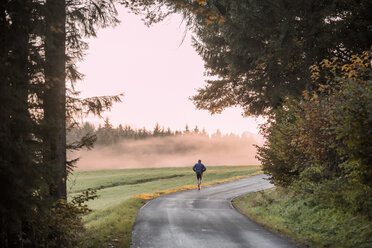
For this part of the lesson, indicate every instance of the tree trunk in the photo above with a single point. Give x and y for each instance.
(55, 95)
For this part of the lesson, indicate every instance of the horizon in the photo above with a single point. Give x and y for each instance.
(164, 127)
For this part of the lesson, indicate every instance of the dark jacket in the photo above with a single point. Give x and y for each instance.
(199, 168)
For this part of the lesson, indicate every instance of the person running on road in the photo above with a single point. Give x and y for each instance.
(199, 168)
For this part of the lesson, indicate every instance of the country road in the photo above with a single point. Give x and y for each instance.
(203, 218)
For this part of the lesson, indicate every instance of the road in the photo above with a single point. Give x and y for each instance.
(203, 218)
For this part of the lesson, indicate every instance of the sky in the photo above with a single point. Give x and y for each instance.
(157, 69)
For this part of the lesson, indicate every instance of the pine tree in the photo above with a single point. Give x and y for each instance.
(196, 130)
(36, 59)
(157, 130)
(187, 130)
(259, 52)
(18, 173)
(169, 132)
(262, 51)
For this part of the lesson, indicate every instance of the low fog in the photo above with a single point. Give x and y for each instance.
(173, 151)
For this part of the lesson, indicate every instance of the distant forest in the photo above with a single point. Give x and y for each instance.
(106, 134)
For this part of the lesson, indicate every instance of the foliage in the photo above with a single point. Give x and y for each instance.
(262, 51)
(279, 157)
(259, 52)
(321, 143)
(61, 226)
(155, 11)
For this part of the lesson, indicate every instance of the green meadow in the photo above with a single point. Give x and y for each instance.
(122, 192)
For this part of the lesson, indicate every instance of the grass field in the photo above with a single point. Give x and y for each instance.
(306, 223)
(122, 192)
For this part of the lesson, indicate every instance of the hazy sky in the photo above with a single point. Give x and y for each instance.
(157, 72)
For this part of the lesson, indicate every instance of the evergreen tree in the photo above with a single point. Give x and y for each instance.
(40, 44)
(259, 52)
(203, 132)
(187, 130)
(17, 158)
(169, 132)
(196, 130)
(157, 130)
(263, 50)
(107, 134)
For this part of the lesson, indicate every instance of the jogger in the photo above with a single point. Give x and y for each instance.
(199, 168)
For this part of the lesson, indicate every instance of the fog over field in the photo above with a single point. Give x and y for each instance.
(173, 151)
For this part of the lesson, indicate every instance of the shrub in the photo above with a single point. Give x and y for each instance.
(61, 224)
(321, 144)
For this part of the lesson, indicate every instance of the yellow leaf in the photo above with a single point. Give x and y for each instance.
(305, 94)
(208, 21)
(315, 96)
(221, 20)
(345, 67)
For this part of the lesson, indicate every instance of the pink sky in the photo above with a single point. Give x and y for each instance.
(157, 74)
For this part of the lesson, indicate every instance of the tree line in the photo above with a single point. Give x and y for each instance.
(106, 134)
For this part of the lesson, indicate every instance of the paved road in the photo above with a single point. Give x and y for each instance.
(203, 218)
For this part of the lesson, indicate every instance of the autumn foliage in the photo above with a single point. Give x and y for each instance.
(321, 144)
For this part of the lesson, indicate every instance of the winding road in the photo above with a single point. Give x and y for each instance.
(203, 218)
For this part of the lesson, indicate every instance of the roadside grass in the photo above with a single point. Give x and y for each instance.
(113, 225)
(304, 222)
(122, 193)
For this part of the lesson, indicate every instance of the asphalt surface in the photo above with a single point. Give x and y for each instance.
(203, 218)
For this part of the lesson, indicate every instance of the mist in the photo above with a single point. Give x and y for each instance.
(172, 151)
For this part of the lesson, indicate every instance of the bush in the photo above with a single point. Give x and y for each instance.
(61, 224)
(321, 144)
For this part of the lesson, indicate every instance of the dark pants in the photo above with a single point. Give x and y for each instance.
(199, 175)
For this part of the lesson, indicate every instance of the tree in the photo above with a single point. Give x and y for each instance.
(204, 132)
(17, 157)
(54, 99)
(259, 52)
(262, 51)
(187, 130)
(157, 130)
(196, 130)
(169, 132)
(41, 42)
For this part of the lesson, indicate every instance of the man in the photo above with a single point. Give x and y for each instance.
(199, 168)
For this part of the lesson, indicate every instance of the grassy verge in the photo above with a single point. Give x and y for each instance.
(304, 222)
(113, 225)
(122, 192)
